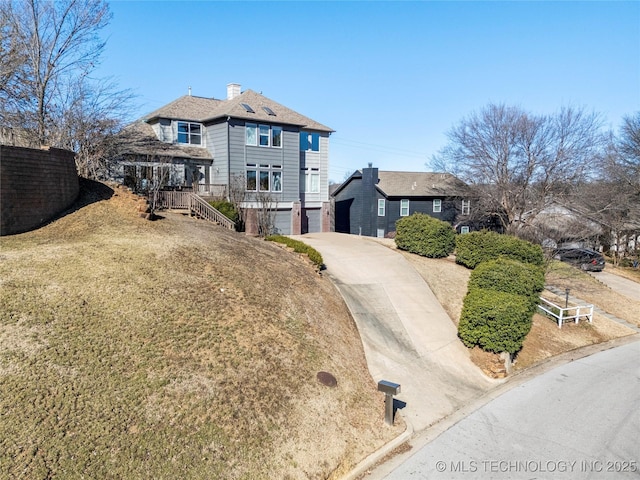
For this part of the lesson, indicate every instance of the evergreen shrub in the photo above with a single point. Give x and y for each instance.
(226, 208)
(509, 276)
(425, 235)
(495, 321)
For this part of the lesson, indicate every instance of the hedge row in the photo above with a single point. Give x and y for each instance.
(476, 247)
(298, 247)
(425, 235)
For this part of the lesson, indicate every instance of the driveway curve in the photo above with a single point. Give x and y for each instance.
(407, 336)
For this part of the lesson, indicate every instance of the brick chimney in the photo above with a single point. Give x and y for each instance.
(233, 90)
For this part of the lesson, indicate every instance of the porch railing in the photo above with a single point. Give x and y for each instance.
(181, 200)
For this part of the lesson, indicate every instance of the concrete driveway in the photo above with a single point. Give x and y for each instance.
(407, 336)
(619, 284)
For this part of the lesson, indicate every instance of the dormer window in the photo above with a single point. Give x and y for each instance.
(190, 133)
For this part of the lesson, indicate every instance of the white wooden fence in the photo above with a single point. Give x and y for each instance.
(567, 313)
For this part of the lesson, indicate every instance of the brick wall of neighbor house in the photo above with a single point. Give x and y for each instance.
(35, 186)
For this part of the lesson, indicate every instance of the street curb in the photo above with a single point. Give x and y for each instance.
(379, 454)
(417, 440)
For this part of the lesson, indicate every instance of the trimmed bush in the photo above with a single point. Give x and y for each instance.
(476, 247)
(509, 276)
(495, 321)
(298, 247)
(425, 235)
(226, 208)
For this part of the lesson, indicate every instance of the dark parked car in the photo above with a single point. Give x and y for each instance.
(586, 259)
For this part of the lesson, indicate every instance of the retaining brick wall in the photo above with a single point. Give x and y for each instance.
(35, 186)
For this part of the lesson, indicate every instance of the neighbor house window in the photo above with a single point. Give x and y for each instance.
(381, 207)
(466, 207)
(311, 180)
(264, 177)
(437, 205)
(464, 229)
(251, 130)
(264, 135)
(276, 137)
(190, 133)
(404, 208)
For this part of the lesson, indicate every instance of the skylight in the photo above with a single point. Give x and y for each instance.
(269, 111)
(247, 108)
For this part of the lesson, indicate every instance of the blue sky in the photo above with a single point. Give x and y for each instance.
(390, 77)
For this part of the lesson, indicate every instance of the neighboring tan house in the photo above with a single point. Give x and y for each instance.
(274, 153)
(370, 202)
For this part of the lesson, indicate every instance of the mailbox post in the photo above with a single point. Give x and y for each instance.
(389, 389)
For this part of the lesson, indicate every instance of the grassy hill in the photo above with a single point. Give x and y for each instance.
(173, 349)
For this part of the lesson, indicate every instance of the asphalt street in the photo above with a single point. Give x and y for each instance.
(580, 420)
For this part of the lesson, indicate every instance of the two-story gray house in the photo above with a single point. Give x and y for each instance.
(212, 146)
(370, 202)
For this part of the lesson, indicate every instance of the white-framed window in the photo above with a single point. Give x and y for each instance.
(251, 134)
(466, 207)
(190, 133)
(276, 137)
(404, 208)
(437, 205)
(464, 229)
(252, 177)
(263, 177)
(381, 205)
(264, 131)
(311, 182)
(276, 179)
(263, 135)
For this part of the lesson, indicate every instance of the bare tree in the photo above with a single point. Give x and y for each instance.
(59, 40)
(518, 162)
(266, 213)
(92, 113)
(12, 61)
(237, 194)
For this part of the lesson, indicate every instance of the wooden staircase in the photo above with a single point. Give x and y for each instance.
(194, 204)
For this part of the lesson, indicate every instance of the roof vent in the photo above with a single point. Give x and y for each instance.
(233, 90)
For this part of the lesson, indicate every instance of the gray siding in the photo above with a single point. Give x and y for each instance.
(216, 138)
(287, 156)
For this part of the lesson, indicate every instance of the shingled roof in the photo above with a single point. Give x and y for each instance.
(140, 139)
(414, 184)
(420, 184)
(204, 110)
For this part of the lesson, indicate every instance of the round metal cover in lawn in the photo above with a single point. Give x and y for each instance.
(327, 379)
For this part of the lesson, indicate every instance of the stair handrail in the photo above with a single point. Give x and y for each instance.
(203, 209)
